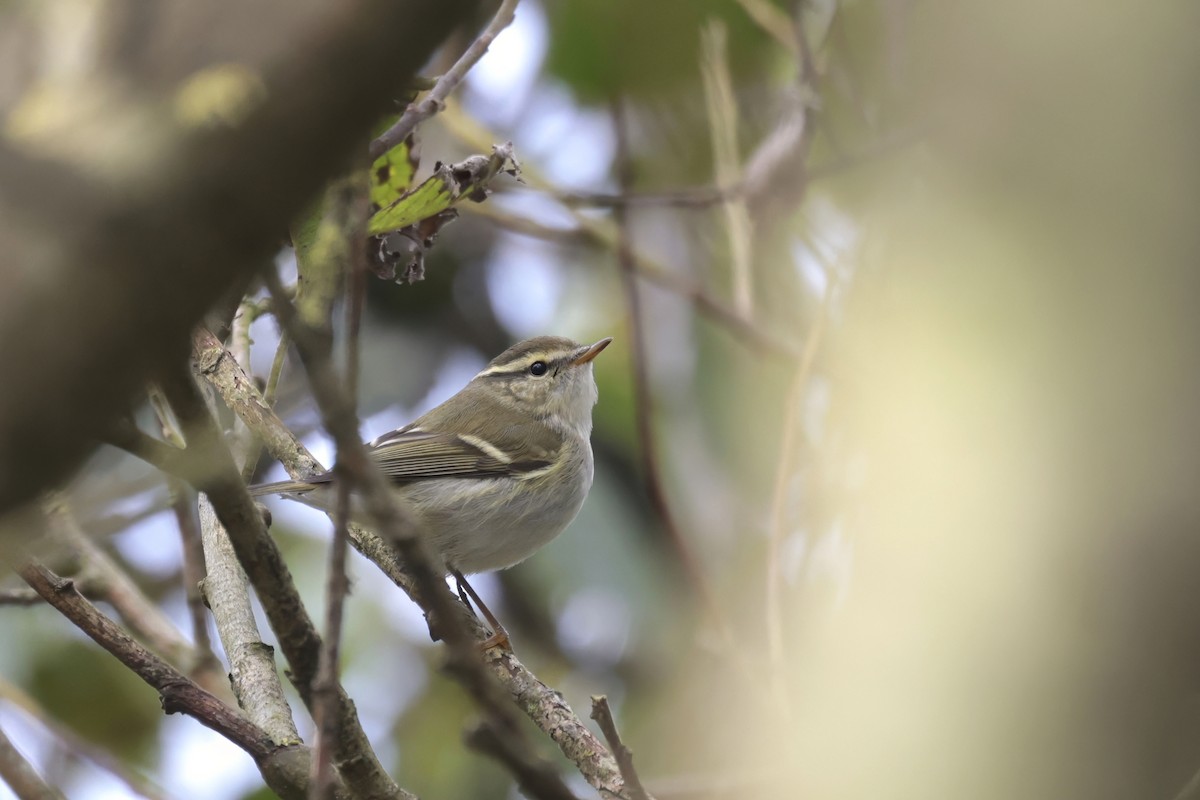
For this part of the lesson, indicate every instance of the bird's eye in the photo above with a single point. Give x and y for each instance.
(537, 369)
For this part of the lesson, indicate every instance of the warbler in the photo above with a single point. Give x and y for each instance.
(498, 470)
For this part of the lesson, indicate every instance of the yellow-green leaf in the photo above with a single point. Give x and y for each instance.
(436, 193)
(392, 173)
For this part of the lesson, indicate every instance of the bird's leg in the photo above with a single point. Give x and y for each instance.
(499, 637)
(434, 629)
(459, 582)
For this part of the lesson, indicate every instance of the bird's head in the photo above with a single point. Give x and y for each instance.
(549, 377)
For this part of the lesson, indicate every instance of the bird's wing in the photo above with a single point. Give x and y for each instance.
(413, 454)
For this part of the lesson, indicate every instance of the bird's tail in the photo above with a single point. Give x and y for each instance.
(282, 487)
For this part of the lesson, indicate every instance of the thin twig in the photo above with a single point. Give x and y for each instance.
(239, 346)
(213, 362)
(78, 747)
(599, 234)
(239, 332)
(537, 779)
(20, 775)
(19, 597)
(783, 473)
(608, 726)
(435, 101)
(337, 584)
(687, 197)
(644, 405)
(183, 504)
(284, 768)
(276, 370)
(807, 63)
(771, 19)
(179, 693)
(109, 582)
(701, 197)
(240, 440)
(103, 526)
(166, 422)
(777, 167)
(168, 458)
(887, 144)
(255, 452)
(511, 223)
(806, 78)
(723, 119)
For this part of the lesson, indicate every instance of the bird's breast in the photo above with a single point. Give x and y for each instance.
(478, 525)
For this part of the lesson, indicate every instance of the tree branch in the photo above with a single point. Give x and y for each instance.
(178, 693)
(194, 568)
(168, 458)
(214, 363)
(608, 726)
(19, 597)
(538, 779)
(414, 115)
(252, 671)
(76, 745)
(106, 580)
(20, 775)
(723, 122)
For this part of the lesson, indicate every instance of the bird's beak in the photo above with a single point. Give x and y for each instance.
(590, 353)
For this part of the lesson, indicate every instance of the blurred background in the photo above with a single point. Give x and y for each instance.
(898, 471)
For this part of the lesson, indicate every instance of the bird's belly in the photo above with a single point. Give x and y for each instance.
(496, 523)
